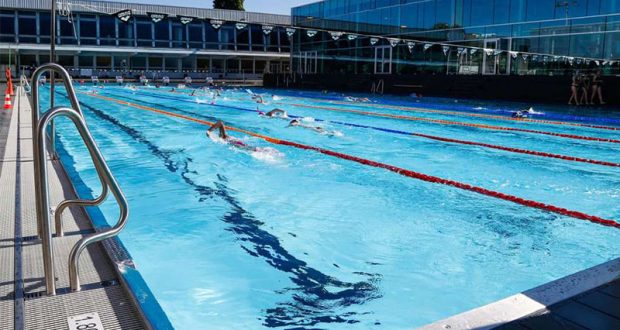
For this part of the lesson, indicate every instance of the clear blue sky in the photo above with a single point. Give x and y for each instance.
(264, 6)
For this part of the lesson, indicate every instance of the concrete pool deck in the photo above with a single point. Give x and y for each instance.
(565, 303)
(23, 302)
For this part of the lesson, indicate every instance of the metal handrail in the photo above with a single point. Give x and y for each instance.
(108, 182)
(35, 119)
(107, 178)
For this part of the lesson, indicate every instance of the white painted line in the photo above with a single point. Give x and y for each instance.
(531, 301)
(88, 321)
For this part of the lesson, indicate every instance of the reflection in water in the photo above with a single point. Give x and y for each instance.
(316, 297)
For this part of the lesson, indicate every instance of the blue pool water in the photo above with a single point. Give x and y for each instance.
(292, 238)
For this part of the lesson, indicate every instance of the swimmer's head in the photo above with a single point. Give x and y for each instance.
(294, 122)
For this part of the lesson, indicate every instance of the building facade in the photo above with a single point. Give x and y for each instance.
(90, 38)
(556, 36)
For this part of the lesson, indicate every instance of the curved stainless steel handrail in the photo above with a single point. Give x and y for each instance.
(107, 177)
(53, 67)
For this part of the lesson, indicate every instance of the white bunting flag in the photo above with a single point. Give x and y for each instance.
(267, 29)
(216, 23)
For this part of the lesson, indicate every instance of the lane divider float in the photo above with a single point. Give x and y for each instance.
(395, 169)
(433, 137)
(458, 123)
(481, 115)
(463, 113)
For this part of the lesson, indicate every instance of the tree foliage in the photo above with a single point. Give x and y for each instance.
(228, 4)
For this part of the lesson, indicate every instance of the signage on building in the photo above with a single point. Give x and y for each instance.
(157, 17)
(124, 15)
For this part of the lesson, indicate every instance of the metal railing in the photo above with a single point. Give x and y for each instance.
(108, 182)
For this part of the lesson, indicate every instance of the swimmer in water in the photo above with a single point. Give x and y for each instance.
(227, 138)
(275, 113)
(318, 129)
(258, 98)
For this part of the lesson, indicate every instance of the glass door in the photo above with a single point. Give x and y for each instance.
(489, 60)
(383, 60)
(307, 62)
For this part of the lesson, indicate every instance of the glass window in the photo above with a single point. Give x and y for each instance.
(481, 12)
(67, 32)
(44, 24)
(88, 28)
(85, 61)
(272, 40)
(445, 11)
(501, 12)
(540, 9)
(178, 35)
(138, 62)
(247, 66)
(211, 36)
(7, 24)
(609, 6)
(144, 33)
(594, 7)
(408, 16)
(172, 63)
(232, 65)
(107, 32)
(156, 63)
(227, 37)
(27, 25)
(195, 35)
(243, 39)
(28, 60)
(257, 38)
(120, 62)
(517, 10)
(107, 27)
(202, 63)
(162, 34)
(612, 45)
(259, 66)
(65, 60)
(125, 33)
(104, 62)
(187, 63)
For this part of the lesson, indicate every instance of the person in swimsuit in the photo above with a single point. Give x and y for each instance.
(574, 88)
(585, 87)
(597, 87)
(318, 129)
(275, 113)
(227, 138)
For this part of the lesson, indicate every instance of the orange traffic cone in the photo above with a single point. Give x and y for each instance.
(7, 101)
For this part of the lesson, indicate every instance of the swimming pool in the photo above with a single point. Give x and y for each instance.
(290, 236)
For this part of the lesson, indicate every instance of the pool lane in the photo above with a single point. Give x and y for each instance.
(569, 185)
(432, 137)
(395, 169)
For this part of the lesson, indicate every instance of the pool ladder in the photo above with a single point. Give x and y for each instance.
(40, 152)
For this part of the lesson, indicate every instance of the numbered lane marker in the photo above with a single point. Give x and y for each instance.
(88, 321)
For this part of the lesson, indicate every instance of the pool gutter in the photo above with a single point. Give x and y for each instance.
(145, 302)
(532, 301)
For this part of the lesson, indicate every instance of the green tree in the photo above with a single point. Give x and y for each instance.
(228, 4)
